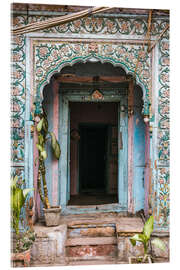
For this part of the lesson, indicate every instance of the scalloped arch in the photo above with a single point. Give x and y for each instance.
(126, 62)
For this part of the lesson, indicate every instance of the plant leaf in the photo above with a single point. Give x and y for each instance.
(44, 154)
(55, 145)
(45, 125)
(40, 139)
(26, 191)
(137, 238)
(40, 124)
(39, 147)
(148, 227)
(14, 181)
(159, 243)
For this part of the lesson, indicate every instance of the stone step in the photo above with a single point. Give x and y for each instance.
(91, 230)
(91, 252)
(89, 260)
(91, 241)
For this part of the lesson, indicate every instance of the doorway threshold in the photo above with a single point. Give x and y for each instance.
(102, 208)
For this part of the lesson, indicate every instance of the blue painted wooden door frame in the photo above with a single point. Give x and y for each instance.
(64, 135)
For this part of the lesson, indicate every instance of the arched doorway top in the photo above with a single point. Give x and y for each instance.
(51, 56)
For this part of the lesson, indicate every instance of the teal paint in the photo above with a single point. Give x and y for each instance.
(60, 142)
(108, 208)
(48, 105)
(139, 152)
(68, 157)
(64, 146)
(123, 154)
(63, 165)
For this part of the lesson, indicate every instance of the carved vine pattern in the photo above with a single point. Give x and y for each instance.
(50, 57)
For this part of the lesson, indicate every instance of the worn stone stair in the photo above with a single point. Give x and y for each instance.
(91, 242)
(88, 239)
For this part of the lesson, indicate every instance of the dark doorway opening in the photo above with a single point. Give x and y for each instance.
(93, 154)
(92, 158)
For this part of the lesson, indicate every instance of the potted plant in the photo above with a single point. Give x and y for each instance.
(22, 241)
(51, 213)
(144, 238)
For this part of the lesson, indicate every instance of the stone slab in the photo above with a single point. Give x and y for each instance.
(91, 241)
(129, 225)
(96, 231)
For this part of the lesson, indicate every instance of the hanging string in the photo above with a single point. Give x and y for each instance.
(37, 26)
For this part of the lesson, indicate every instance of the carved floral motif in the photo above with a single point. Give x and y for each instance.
(49, 57)
(18, 96)
(163, 132)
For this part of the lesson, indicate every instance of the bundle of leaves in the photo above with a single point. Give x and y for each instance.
(25, 241)
(145, 237)
(43, 136)
(18, 198)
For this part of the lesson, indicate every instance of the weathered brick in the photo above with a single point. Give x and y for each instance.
(92, 251)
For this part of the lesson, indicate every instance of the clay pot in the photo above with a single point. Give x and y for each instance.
(21, 259)
(52, 216)
(137, 260)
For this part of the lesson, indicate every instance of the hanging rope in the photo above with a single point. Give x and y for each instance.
(160, 36)
(37, 26)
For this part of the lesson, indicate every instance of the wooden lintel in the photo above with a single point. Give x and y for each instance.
(87, 79)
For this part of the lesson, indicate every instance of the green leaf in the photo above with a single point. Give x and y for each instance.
(35, 161)
(137, 238)
(40, 124)
(26, 191)
(14, 181)
(39, 147)
(148, 227)
(44, 154)
(40, 139)
(55, 145)
(45, 125)
(159, 243)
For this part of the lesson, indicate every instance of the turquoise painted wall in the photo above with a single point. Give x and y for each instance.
(139, 151)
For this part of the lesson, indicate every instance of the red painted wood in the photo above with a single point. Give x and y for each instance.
(55, 190)
(71, 78)
(130, 148)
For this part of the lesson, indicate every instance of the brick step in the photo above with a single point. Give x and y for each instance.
(91, 252)
(91, 241)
